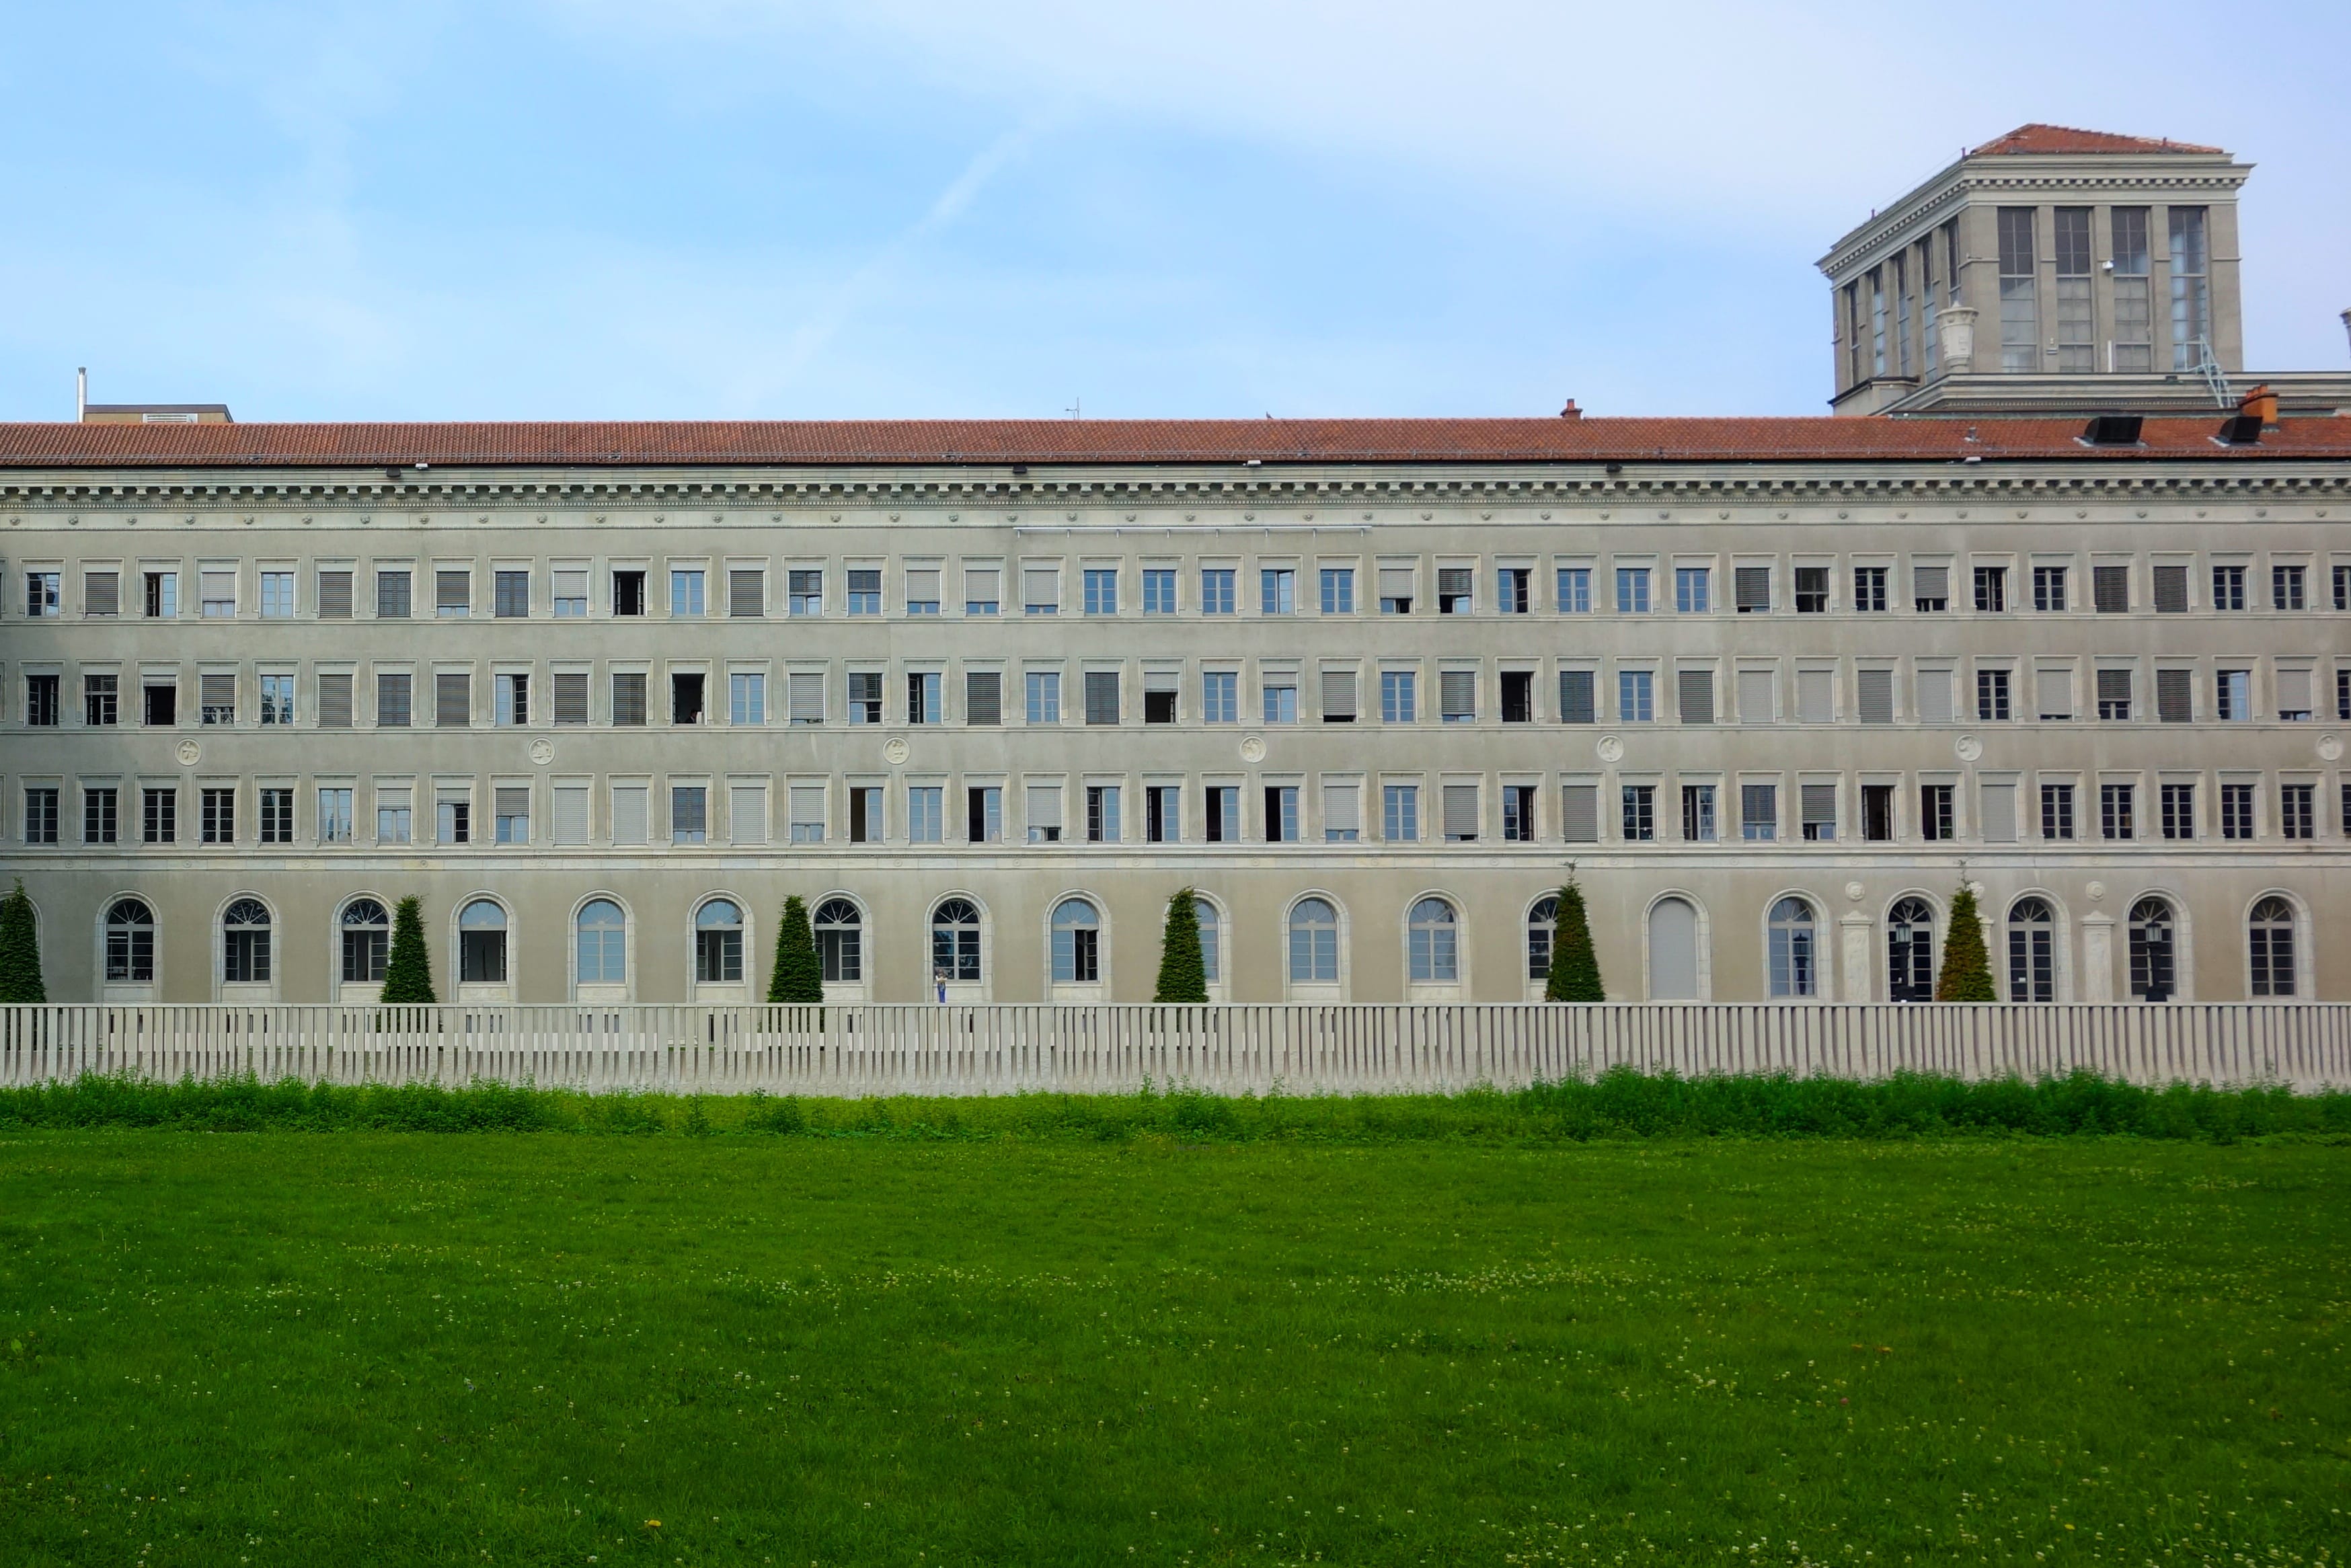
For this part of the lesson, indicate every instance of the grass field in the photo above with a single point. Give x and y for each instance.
(316, 1349)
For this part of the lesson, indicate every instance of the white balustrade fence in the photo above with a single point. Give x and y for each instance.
(1231, 1050)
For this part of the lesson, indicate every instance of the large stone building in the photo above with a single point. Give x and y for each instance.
(988, 693)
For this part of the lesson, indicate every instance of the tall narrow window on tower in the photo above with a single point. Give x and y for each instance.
(2134, 336)
(2020, 313)
(2077, 334)
(2191, 300)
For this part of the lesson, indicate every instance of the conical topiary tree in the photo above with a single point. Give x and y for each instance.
(20, 950)
(797, 975)
(1574, 973)
(1967, 968)
(1183, 972)
(408, 969)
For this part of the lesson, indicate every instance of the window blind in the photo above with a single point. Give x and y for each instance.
(807, 806)
(923, 586)
(979, 585)
(334, 596)
(1461, 813)
(1934, 697)
(629, 698)
(2171, 590)
(1040, 586)
(451, 592)
(689, 814)
(334, 702)
(216, 691)
(218, 587)
(571, 813)
(512, 802)
(1338, 694)
(807, 697)
(2175, 696)
(2293, 691)
(2054, 692)
(1454, 581)
(1874, 689)
(392, 596)
(102, 593)
(2114, 689)
(982, 696)
(629, 813)
(1579, 813)
(571, 697)
(1931, 582)
(1820, 805)
(1752, 585)
(1695, 697)
(2000, 813)
(746, 591)
(392, 702)
(1395, 581)
(1815, 696)
(453, 700)
(1456, 693)
(2110, 590)
(1575, 696)
(1045, 807)
(1757, 697)
(1342, 809)
(747, 813)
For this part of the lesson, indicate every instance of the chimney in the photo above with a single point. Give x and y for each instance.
(81, 390)
(2261, 401)
(1571, 412)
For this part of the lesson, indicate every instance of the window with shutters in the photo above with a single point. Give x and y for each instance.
(1281, 813)
(926, 814)
(102, 593)
(1698, 814)
(1338, 590)
(453, 592)
(1518, 813)
(2177, 810)
(866, 824)
(162, 592)
(805, 591)
(2048, 590)
(1216, 591)
(2054, 692)
(1102, 814)
(865, 696)
(1456, 697)
(1694, 695)
(217, 593)
(2113, 695)
(1579, 813)
(1757, 696)
(1101, 590)
(571, 697)
(629, 698)
(631, 814)
(923, 591)
(1041, 590)
(1518, 697)
(393, 700)
(747, 592)
(2171, 590)
(1045, 814)
(1573, 590)
(2236, 810)
(1454, 586)
(2117, 812)
(1873, 690)
(571, 814)
(1101, 696)
(1937, 822)
(2297, 811)
(1280, 699)
(1043, 688)
(689, 814)
(1639, 816)
(1819, 802)
(1400, 813)
(983, 701)
(1396, 588)
(865, 591)
(2233, 693)
(2110, 590)
(2175, 699)
(453, 700)
(807, 692)
(922, 698)
(2293, 696)
(2227, 588)
(1815, 696)
(1998, 801)
(1576, 701)
(1343, 821)
(1752, 588)
(979, 591)
(1930, 590)
(1877, 813)
(510, 814)
(1811, 591)
(984, 814)
(334, 702)
(1637, 697)
(510, 595)
(216, 699)
(1460, 813)
(1277, 591)
(747, 813)
(572, 594)
(1869, 597)
(1759, 812)
(1514, 590)
(1992, 693)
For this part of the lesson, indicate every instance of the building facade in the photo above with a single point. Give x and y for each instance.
(987, 696)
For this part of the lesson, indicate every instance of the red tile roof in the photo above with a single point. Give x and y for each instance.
(2065, 139)
(1000, 442)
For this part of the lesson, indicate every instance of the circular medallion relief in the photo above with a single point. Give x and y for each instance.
(1611, 750)
(2330, 747)
(1252, 749)
(1853, 890)
(2097, 892)
(190, 754)
(895, 751)
(1969, 747)
(542, 752)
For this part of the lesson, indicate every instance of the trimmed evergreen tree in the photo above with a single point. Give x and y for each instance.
(1967, 967)
(20, 950)
(1183, 972)
(1574, 973)
(796, 977)
(408, 969)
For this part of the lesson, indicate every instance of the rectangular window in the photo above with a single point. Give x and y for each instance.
(2286, 588)
(865, 592)
(1998, 806)
(2049, 589)
(1991, 589)
(277, 699)
(2114, 696)
(571, 814)
(216, 816)
(571, 697)
(866, 822)
(2178, 810)
(1454, 588)
(1811, 591)
(100, 701)
(2227, 588)
(1338, 696)
(1396, 697)
(453, 700)
(2175, 696)
(334, 596)
(865, 696)
(1698, 814)
(40, 814)
(1877, 320)
(391, 700)
(1338, 590)
(1514, 590)
(570, 595)
(688, 592)
(631, 814)
(1757, 696)
(1041, 590)
(1877, 813)
(1277, 591)
(2236, 810)
(1163, 813)
(101, 823)
(984, 814)
(163, 595)
(278, 596)
(689, 814)
(2020, 318)
(1819, 804)
(392, 824)
(2117, 813)
(2343, 693)
(629, 699)
(1281, 701)
(979, 591)
(1637, 697)
(805, 591)
(1216, 591)
(926, 814)
(923, 591)
(510, 699)
(1752, 590)
(1577, 704)
(1460, 807)
(2192, 309)
(2293, 699)
(1692, 586)
(452, 817)
(159, 816)
(746, 814)
(746, 698)
(2233, 694)
(1101, 696)
(1936, 821)
(747, 592)
(1102, 814)
(1579, 813)
(2297, 811)
(510, 595)
(1281, 813)
(1518, 697)
(2054, 693)
(216, 699)
(1044, 689)
(2171, 590)
(1930, 590)
(2110, 590)
(1991, 694)
(1518, 813)
(1342, 814)
(1631, 590)
(1456, 697)
(804, 691)
(510, 814)
(2056, 811)
(1759, 812)
(1575, 590)
(1695, 695)
(2077, 338)
(923, 697)
(1220, 701)
(1101, 590)
(335, 816)
(1159, 590)
(217, 593)
(1815, 696)
(1400, 813)
(2132, 337)
(1223, 810)
(983, 697)
(2343, 586)
(1639, 815)
(1869, 590)
(1874, 689)
(453, 592)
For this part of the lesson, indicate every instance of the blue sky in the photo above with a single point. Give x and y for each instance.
(749, 208)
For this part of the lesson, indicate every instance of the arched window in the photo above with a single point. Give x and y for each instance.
(1077, 943)
(366, 941)
(1314, 943)
(2270, 933)
(1911, 952)
(603, 940)
(1542, 930)
(840, 942)
(130, 943)
(955, 941)
(482, 942)
(1433, 944)
(2032, 951)
(1211, 947)
(1794, 972)
(2154, 962)
(718, 944)
(1673, 951)
(244, 943)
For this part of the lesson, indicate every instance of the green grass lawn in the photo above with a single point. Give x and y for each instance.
(313, 1349)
